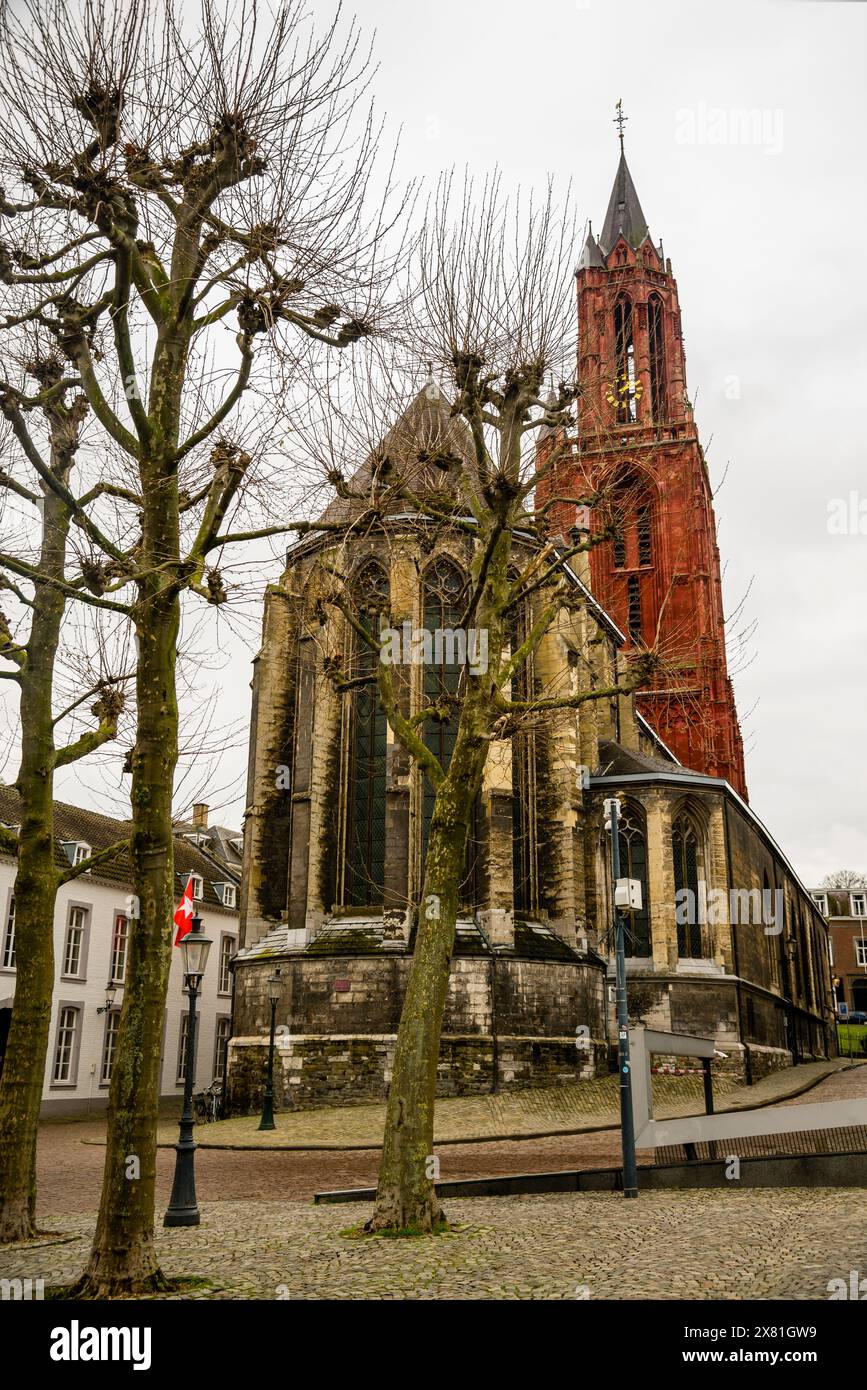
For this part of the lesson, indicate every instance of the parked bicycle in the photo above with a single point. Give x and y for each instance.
(208, 1104)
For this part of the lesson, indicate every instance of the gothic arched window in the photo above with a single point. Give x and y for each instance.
(656, 357)
(525, 865)
(685, 853)
(633, 864)
(624, 356)
(444, 601)
(365, 818)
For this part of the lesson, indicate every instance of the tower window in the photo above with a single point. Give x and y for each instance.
(656, 354)
(645, 548)
(633, 596)
(619, 547)
(624, 347)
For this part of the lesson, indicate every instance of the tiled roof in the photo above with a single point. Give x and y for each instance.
(75, 824)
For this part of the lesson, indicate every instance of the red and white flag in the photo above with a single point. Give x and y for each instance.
(184, 913)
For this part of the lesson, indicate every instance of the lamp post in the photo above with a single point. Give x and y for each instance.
(267, 1120)
(627, 1129)
(110, 992)
(183, 1209)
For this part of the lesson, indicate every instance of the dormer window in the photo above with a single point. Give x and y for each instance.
(821, 901)
(227, 893)
(858, 902)
(76, 851)
(238, 845)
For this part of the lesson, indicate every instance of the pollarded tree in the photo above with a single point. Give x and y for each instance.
(39, 454)
(494, 316)
(186, 199)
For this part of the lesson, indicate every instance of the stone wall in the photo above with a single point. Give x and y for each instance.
(338, 1017)
(349, 1069)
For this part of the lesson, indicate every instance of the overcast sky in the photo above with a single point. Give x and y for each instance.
(745, 139)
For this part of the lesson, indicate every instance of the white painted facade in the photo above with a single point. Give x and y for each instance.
(88, 950)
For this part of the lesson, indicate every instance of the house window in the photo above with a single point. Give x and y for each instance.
(198, 886)
(365, 822)
(821, 901)
(221, 1046)
(109, 1046)
(227, 950)
(859, 904)
(9, 938)
(633, 864)
(82, 852)
(230, 895)
(861, 953)
(64, 1051)
(118, 948)
(73, 951)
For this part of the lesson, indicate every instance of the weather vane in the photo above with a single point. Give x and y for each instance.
(620, 121)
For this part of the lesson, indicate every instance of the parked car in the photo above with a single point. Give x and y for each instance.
(856, 1017)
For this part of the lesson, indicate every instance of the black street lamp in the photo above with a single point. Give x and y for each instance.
(624, 1067)
(183, 1209)
(274, 991)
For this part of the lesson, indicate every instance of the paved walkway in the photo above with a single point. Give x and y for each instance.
(696, 1245)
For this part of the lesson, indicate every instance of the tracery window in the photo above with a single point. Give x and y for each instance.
(633, 864)
(365, 820)
(525, 866)
(685, 853)
(444, 599)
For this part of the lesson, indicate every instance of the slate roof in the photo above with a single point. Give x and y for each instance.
(74, 823)
(217, 840)
(617, 761)
(426, 445)
(624, 216)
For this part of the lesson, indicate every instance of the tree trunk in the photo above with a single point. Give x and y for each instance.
(406, 1195)
(35, 891)
(123, 1259)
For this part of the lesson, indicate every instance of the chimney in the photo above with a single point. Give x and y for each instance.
(200, 815)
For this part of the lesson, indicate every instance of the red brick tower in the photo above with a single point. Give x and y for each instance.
(637, 442)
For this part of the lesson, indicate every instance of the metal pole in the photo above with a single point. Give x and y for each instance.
(627, 1130)
(267, 1120)
(183, 1208)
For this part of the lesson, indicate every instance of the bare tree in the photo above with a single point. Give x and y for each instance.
(844, 878)
(187, 197)
(40, 458)
(494, 315)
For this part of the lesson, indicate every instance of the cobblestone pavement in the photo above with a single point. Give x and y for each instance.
(714, 1244)
(70, 1172)
(261, 1238)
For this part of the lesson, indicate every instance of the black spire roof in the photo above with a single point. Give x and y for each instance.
(624, 215)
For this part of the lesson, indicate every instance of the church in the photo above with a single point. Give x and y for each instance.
(726, 943)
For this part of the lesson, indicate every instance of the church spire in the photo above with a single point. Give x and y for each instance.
(624, 216)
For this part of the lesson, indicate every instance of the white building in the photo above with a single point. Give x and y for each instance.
(91, 924)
